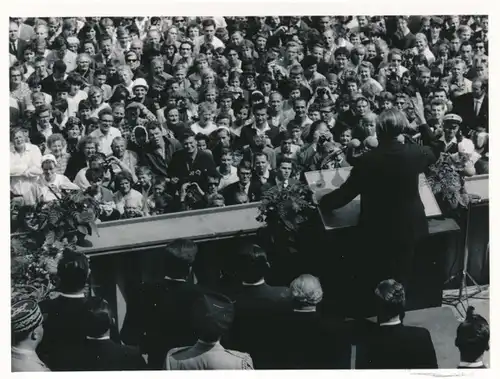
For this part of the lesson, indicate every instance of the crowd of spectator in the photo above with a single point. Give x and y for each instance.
(179, 324)
(162, 114)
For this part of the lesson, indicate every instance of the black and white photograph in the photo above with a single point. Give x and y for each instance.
(273, 192)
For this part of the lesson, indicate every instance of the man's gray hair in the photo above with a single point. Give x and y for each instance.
(306, 290)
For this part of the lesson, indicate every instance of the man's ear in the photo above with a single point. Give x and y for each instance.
(456, 342)
(34, 335)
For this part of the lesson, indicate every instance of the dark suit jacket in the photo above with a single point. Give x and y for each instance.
(21, 46)
(158, 318)
(259, 310)
(247, 134)
(387, 178)
(102, 355)
(464, 107)
(310, 341)
(254, 192)
(159, 165)
(179, 168)
(396, 347)
(62, 329)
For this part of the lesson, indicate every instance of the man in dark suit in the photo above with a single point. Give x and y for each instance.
(473, 108)
(190, 163)
(473, 340)
(392, 218)
(159, 153)
(16, 44)
(98, 352)
(259, 308)
(252, 190)
(157, 317)
(282, 177)
(64, 314)
(390, 344)
(49, 84)
(308, 339)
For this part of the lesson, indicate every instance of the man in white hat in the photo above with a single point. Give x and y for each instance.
(27, 333)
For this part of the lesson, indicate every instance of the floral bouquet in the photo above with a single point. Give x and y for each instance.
(34, 270)
(288, 207)
(446, 181)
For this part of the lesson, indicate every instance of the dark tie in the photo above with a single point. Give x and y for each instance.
(13, 48)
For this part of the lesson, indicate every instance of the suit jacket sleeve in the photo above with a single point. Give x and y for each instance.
(427, 355)
(346, 193)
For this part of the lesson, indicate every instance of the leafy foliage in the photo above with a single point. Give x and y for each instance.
(62, 218)
(288, 208)
(447, 183)
(46, 233)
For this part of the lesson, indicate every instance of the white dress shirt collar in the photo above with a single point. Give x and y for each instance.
(262, 281)
(73, 295)
(471, 364)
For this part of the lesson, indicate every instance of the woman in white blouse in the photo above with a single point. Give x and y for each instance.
(49, 186)
(25, 166)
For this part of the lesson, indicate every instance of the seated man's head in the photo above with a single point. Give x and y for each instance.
(212, 315)
(391, 300)
(179, 258)
(73, 271)
(97, 318)
(473, 337)
(252, 264)
(306, 292)
(26, 324)
(95, 177)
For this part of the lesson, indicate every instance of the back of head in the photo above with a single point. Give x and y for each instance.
(73, 271)
(98, 317)
(390, 124)
(212, 315)
(473, 336)
(179, 258)
(252, 264)
(306, 291)
(391, 300)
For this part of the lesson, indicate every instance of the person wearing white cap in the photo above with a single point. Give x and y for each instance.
(140, 88)
(49, 185)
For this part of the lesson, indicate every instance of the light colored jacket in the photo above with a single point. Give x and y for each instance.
(207, 356)
(25, 360)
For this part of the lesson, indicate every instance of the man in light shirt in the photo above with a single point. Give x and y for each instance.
(106, 132)
(209, 27)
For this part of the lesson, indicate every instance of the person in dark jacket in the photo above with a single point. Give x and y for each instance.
(390, 344)
(309, 339)
(190, 163)
(392, 218)
(259, 309)
(473, 340)
(157, 317)
(245, 185)
(64, 314)
(98, 352)
(160, 151)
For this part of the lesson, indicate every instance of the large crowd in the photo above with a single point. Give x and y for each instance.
(151, 115)
(177, 324)
(162, 114)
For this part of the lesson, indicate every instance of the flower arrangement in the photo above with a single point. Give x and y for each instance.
(70, 217)
(288, 207)
(34, 268)
(45, 233)
(446, 180)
